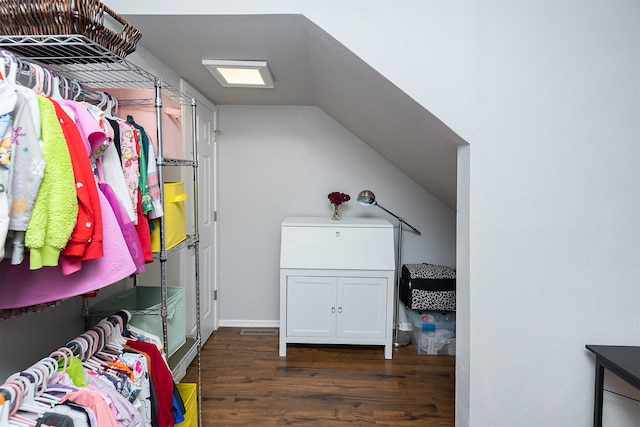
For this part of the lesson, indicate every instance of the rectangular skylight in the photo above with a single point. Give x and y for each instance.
(240, 73)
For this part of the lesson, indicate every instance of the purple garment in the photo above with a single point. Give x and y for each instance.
(128, 228)
(126, 414)
(21, 287)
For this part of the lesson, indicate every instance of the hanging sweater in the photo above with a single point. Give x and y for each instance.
(85, 242)
(56, 207)
(27, 170)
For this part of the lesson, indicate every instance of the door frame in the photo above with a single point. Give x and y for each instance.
(186, 276)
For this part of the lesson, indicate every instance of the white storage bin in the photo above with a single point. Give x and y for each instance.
(433, 332)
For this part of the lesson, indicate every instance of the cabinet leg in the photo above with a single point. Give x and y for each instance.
(283, 348)
(388, 351)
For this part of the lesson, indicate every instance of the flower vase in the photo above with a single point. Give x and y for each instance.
(335, 214)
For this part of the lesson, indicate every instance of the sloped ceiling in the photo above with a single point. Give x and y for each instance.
(310, 68)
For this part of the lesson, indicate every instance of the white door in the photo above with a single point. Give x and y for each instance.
(311, 306)
(207, 192)
(362, 307)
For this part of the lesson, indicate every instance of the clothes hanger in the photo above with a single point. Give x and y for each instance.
(88, 344)
(47, 82)
(110, 104)
(10, 393)
(49, 363)
(41, 385)
(38, 86)
(103, 99)
(122, 323)
(5, 407)
(94, 339)
(15, 418)
(80, 347)
(116, 339)
(64, 354)
(103, 329)
(76, 90)
(54, 85)
(38, 381)
(64, 85)
(28, 402)
(69, 351)
(41, 392)
(25, 69)
(3, 70)
(111, 333)
(12, 61)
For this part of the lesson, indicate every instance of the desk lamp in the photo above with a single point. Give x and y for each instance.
(367, 198)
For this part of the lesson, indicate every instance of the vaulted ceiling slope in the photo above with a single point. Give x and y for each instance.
(310, 68)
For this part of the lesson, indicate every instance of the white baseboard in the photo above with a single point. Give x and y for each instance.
(249, 323)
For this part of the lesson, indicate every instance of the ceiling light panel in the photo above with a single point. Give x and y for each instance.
(240, 73)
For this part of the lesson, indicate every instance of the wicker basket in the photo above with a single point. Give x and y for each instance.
(67, 17)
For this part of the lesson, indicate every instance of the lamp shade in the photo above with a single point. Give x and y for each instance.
(366, 197)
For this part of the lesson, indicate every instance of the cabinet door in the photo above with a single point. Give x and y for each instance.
(362, 307)
(311, 306)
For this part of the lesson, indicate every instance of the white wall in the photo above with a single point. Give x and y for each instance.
(555, 209)
(547, 95)
(26, 339)
(284, 161)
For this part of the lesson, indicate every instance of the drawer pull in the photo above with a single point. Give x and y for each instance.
(337, 234)
(333, 309)
(339, 309)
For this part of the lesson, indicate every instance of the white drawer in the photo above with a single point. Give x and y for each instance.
(339, 246)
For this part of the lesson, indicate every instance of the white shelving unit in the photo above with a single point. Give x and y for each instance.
(77, 57)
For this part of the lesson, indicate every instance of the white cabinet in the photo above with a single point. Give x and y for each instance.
(333, 307)
(336, 282)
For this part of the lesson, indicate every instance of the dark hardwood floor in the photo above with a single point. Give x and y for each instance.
(245, 382)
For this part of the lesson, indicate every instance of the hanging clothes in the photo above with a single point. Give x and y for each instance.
(7, 104)
(66, 229)
(113, 174)
(27, 170)
(130, 160)
(153, 181)
(143, 150)
(38, 286)
(127, 227)
(162, 381)
(85, 242)
(56, 207)
(99, 383)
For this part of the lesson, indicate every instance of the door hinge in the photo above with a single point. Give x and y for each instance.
(215, 216)
(215, 295)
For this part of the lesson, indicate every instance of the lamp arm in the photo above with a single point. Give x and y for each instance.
(398, 218)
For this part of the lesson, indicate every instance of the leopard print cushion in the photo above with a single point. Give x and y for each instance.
(433, 300)
(430, 271)
(429, 287)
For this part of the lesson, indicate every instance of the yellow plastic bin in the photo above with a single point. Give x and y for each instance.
(175, 224)
(189, 394)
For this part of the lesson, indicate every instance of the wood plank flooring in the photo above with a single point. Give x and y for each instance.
(245, 382)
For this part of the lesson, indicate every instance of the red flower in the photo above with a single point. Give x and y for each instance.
(337, 198)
